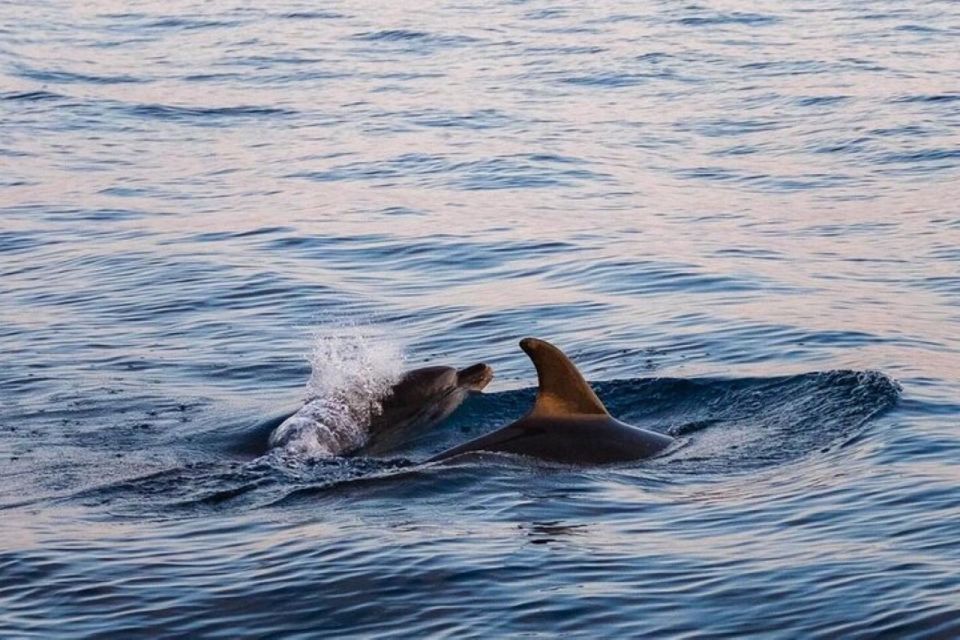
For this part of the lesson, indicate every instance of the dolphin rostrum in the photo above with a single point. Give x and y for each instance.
(568, 423)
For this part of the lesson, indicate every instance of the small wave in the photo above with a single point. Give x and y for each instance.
(410, 36)
(748, 19)
(312, 15)
(70, 77)
(923, 155)
(475, 120)
(12, 241)
(390, 35)
(188, 23)
(819, 101)
(29, 96)
(520, 171)
(170, 112)
(611, 80)
(646, 277)
(221, 236)
(929, 98)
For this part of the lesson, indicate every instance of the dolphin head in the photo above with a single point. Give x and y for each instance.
(421, 399)
(475, 378)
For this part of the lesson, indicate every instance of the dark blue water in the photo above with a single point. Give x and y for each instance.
(740, 219)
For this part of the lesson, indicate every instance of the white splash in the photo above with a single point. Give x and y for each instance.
(353, 369)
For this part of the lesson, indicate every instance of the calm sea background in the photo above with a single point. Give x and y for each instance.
(739, 218)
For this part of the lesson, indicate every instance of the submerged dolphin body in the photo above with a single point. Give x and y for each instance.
(348, 424)
(568, 423)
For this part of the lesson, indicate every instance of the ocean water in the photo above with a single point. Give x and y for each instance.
(739, 218)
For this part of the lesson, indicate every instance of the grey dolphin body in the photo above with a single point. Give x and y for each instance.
(568, 423)
(423, 398)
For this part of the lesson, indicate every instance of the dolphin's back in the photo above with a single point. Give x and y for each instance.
(568, 423)
(576, 439)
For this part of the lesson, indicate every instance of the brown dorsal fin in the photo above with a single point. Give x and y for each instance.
(562, 389)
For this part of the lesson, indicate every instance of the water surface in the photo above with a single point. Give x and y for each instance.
(739, 219)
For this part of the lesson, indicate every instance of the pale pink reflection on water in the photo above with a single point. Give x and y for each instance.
(710, 207)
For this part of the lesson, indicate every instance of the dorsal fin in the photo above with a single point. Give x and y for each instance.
(562, 387)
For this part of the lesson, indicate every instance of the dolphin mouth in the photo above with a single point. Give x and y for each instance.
(475, 377)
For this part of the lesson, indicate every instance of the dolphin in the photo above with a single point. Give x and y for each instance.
(568, 423)
(354, 424)
(422, 399)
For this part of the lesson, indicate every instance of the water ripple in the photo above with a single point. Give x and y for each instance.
(737, 220)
